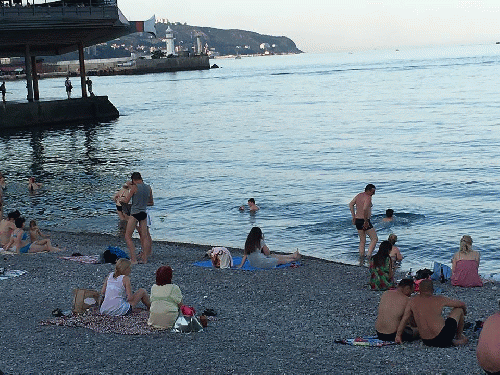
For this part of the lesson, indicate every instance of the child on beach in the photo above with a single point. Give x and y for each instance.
(122, 209)
(36, 237)
(166, 299)
(395, 254)
(117, 291)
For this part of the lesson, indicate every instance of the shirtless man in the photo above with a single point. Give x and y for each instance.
(488, 346)
(361, 218)
(389, 215)
(251, 206)
(142, 196)
(426, 309)
(390, 311)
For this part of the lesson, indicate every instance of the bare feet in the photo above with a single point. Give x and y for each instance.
(462, 340)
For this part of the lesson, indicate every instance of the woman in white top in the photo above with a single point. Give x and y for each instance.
(117, 291)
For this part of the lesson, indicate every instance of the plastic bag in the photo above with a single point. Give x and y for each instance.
(187, 324)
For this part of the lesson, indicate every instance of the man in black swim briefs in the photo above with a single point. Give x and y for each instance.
(142, 196)
(426, 309)
(361, 211)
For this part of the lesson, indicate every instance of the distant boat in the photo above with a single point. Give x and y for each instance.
(237, 57)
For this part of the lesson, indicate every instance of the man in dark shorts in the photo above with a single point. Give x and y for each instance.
(361, 218)
(142, 196)
(390, 312)
(426, 309)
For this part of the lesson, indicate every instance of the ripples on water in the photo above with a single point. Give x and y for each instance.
(302, 134)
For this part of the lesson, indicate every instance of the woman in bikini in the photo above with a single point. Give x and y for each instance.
(19, 240)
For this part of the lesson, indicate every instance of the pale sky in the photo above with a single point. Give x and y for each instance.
(332, 25)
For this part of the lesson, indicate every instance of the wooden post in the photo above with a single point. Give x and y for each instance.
(29, 80)
(36, 93)
(82, 69)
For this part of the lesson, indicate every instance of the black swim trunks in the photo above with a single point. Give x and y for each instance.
(140, 216)
(118, 208)
(445, 337)
(360, 222)
(491, 373)
(406, 336)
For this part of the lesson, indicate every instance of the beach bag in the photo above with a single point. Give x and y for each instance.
(441, 272)
(221, 257)
(84, 299)
(112, 254)
(187, 324)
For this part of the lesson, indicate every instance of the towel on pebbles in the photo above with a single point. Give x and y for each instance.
(132, 324)
(4, 275)
(246, 266)
(87, 259)
(372, 341)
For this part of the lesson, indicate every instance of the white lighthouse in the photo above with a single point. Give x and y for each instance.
(169, 36)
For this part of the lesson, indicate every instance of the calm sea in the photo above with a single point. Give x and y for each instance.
(301, 134)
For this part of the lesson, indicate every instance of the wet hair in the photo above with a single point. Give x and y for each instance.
(20, 222)
(369, 187)
(406, 282)
(253, 240)
(164, 275)
(252, 200)
(466, 244)
(122, 265)
(14, 214)
(389, 212)
(426, 285)
(382, 254)
(136, 176)
(32, 223)
(392, 238)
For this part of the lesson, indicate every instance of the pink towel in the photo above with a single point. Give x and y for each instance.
(465, 274)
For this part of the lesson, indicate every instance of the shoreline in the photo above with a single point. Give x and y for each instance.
(281, 321)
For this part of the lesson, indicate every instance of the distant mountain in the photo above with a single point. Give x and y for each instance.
(229, 42)
(219, 42)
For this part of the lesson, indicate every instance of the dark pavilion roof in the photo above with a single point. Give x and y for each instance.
(54, 28)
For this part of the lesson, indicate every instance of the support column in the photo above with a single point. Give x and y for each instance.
(82, 69)
(29, 80)
(36, 93)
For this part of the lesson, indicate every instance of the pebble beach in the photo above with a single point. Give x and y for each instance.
(281, 321)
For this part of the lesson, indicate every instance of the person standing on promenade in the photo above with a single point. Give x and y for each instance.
(88, 82)
(361, 218)
(3, 90)
(426, 309)
(142, 196)
(68, 86)
(390, 311)
(488, 345)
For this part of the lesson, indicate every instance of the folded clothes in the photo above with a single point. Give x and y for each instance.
(246, 266)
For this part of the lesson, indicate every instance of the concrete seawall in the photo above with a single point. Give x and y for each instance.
(54, 112)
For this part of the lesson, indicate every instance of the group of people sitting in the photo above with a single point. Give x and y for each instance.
(403, 318)
(14, 237)
(465, 265)
(163, 303)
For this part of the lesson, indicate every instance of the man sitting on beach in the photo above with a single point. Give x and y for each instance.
(426, 309)
(488, 345)
(390, 311)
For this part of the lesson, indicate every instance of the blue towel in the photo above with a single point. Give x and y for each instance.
(246, 266)
(365, 341)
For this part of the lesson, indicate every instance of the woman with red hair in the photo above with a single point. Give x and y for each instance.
(166, 299)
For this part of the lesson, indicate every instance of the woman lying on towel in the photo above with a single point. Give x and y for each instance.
(465, 264)
(166, 299)
(258, 253)
(117, 291)
(19, 241)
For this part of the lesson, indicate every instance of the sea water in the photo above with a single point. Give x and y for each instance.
(302, 134)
